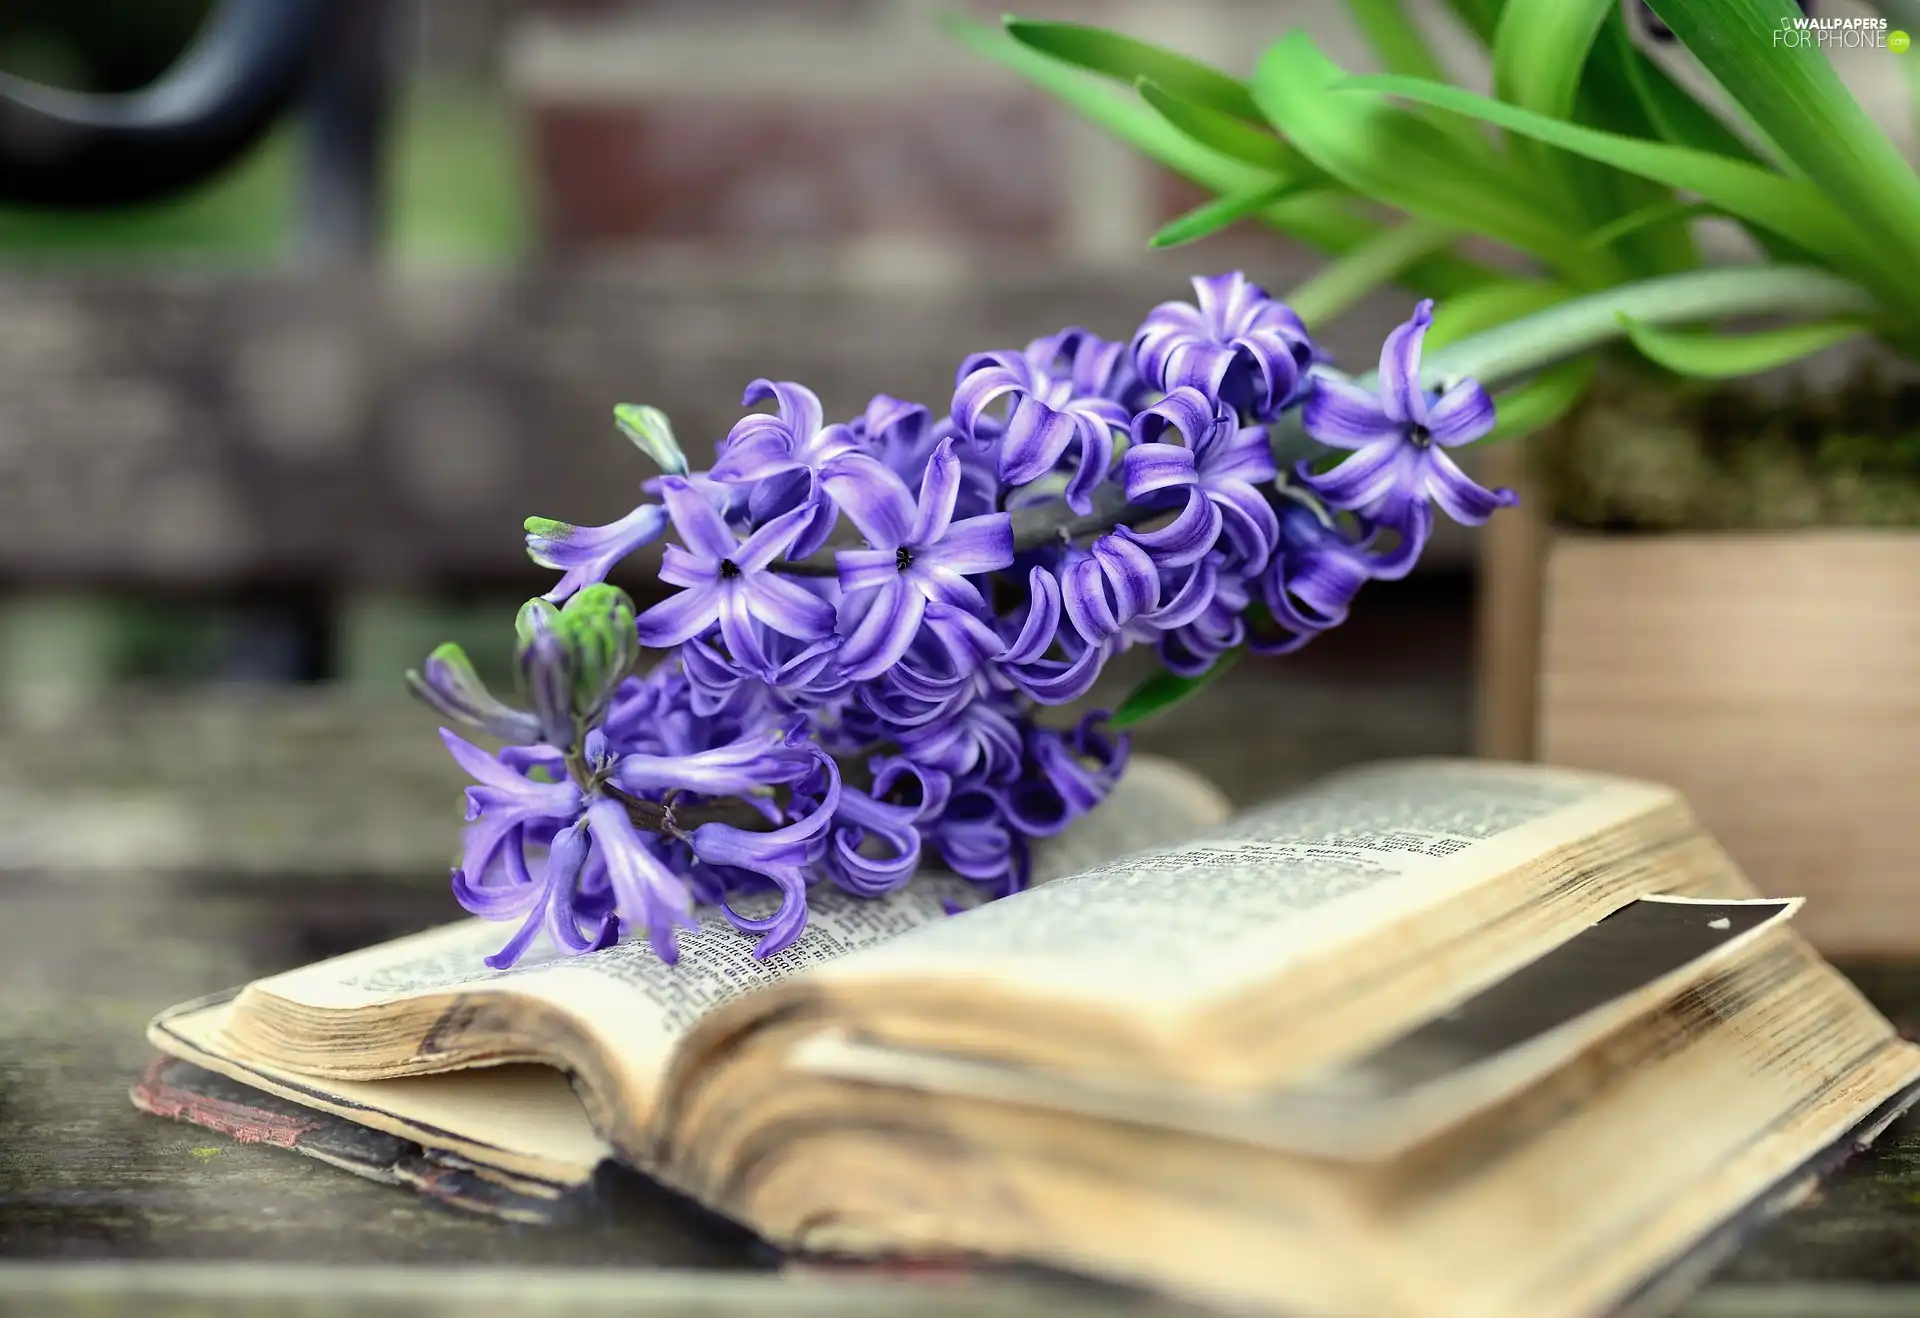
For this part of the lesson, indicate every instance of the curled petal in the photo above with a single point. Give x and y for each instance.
(862, 822)
(1037, 630)
(1458, 495)
(1096, 460)
(1187, 538)
(1148, 467)
(780, 855)
(1400, 393)
(797, 405)
(1187, 412)
(1037, 436)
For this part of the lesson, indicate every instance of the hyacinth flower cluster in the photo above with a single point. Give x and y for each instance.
(869, 619)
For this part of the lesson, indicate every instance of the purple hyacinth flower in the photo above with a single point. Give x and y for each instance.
(804, 674)
(1064, 387)
(978, 842)
(876, 844)
(554, 901)
(1218, 463)
(501, 801)
(783, 855)
(647, 894)
(738, 768)
(585, 554)
(1398, 439)
(1213, 620)
(918, 555)
(1312, 579)
(726, 581)
(977, 739)
(1060, 784)
(780, 456)
(1238, 345)
(899, 433)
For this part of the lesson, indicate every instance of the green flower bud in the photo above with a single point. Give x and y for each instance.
(650, 431)
(598, 626)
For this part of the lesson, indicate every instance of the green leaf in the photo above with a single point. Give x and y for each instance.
(1712, 356)
(1382, 258)
(1226, 134)
(1792, 207)
(1489, 305)
(1127, 59)
(1793, 94)
(1539, 50)
(1541, 401)
(1516, 349)
(1164, 689)
(652, 434)
(1320, 219)
(1398, 158)
(1395, 38)
(1661, 212)
(1217, 214)
(1480, 17)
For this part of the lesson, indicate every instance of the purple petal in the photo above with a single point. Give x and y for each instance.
(1185, 539)
(788, 608)
(1249, 521)
(735, 769)
(1340, 414)
(698, 525)
(942, 585)
(889, 619)
(1042, 620)
(1096, 460)
(1461, 415)
(741, 630)
(1192, 598)
(1458, 496)
(585, 553)
(1365, 477)
(1145, 468)
(1190, 413)
(771, 541)
(797, 404)
(1400, 392)
(1246, 454)
(756, 448)
(647, 894)
(871, 495)
(1083, 593)
(978, 389)
(1056, 683)
(680, 617)
(1414, 526)
(977, 544)
(939, 487)
(1131, 574)
(1036, 437)
(1199, 365)
(863, 569)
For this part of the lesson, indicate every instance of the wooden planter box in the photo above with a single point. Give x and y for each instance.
(1773, 678)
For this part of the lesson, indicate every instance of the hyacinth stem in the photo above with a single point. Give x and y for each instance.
(1503, 355)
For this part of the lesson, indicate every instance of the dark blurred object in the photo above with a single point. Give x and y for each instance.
(251, 61)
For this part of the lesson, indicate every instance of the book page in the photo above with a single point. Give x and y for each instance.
(647, 1004)
(1294, 876)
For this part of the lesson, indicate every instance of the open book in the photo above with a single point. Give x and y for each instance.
(1430, 1038)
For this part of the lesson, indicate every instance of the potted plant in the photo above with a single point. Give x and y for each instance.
(1729, 596)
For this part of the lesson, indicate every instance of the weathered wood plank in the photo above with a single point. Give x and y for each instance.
(185, 430)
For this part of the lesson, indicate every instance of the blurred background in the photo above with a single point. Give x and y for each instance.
(266, 441)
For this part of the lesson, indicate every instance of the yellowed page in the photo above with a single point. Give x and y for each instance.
(1201, 919)
(521, 1119)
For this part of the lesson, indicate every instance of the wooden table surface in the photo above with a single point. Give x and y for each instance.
(166, 1218)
